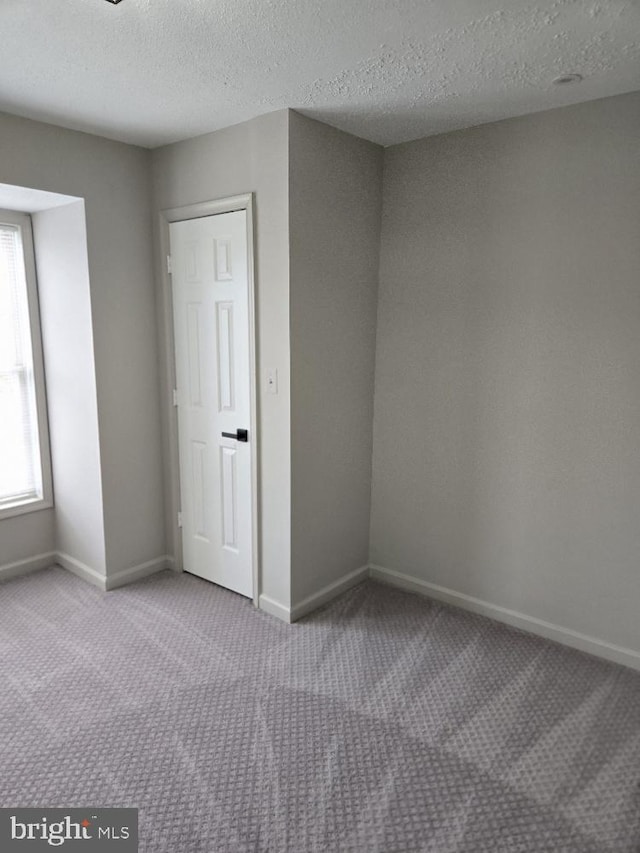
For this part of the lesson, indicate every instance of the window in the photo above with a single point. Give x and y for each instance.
(25, 468)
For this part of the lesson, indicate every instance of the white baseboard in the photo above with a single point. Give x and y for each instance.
(274, 608)
(115, 580)
(312, 602)
(29, 564)
(81, 570)
(566, 636)
(136, 573)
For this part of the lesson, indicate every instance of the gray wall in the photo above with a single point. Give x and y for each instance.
(250, 157)
(334, 214)
(60, 240)
(113, 179)
(507, 403)
(25, 536)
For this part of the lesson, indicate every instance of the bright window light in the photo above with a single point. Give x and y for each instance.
(23, 480)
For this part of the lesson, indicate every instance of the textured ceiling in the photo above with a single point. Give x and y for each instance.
(155, 71)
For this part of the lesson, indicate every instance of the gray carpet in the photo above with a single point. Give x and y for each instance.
(382, 723)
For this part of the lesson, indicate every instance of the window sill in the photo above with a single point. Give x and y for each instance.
(23, 507)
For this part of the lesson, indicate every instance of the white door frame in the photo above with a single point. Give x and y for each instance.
(179, 214)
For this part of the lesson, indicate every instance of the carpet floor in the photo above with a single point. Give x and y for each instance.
(381, 723)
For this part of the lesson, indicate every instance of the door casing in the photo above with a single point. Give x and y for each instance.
(179, 214)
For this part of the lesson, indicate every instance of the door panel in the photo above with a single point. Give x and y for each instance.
(225, 357)
(229, 498)
(211, 326)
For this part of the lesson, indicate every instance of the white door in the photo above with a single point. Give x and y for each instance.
(211, 326)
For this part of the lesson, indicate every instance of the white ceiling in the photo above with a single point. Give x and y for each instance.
(155, 71)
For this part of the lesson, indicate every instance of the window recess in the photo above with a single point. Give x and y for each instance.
(25, 465)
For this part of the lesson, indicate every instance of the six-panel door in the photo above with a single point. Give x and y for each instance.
(211, 328)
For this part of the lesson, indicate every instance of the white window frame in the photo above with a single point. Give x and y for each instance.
(23, 222)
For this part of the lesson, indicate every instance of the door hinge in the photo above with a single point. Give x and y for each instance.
(175, 396)
(179, 519)
(169, 264)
